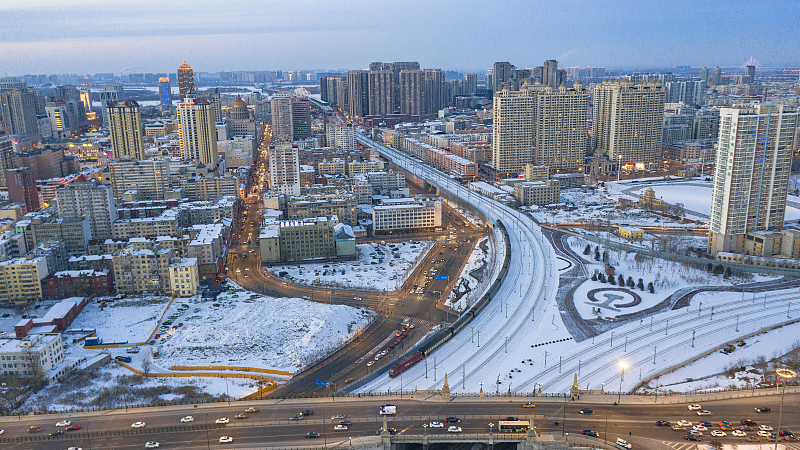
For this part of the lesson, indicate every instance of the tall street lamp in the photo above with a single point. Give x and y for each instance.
(621, 377)
(785, 374)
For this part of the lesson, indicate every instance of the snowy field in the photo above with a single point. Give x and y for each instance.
(591, 205)
(379, 267)
(129, 320)
(695, 195)
(242, 328)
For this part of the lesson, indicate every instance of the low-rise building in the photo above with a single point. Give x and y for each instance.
(537, 192)
(307, 239)
(68, 283)
(184, 277)
(33, 356)
(406, 214)
(631, 233)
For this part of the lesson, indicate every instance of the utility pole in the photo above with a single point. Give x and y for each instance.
(506, 345)
(654, 354)
(626, 344)
(693, 332)
(545, 358)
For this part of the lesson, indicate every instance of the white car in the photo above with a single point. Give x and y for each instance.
(684, 423)
(436, 425)
(223, 420)
(338, 417)
(454, 429)
(623, 443)
(699, 428)
(152, 444)
(718, 433)
(704, 412)
(187, 419)
(765, 428)
(694, 407)
(64, 423)
(696, 432)
(225, 440)
(137, 425)
(340, 427)
(75, 448)
(738, 433)
(763, 433)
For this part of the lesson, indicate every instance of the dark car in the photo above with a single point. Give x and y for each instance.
(34, 429)
(73, 428)
(56, 433)
(691, 437)
(705, 423)
(586, 411)
(763, 409)
(345, 422)
(240, 416)
(786, 433)
(307, 412)
(749, 423)
(452, 420)
(663, 423)
(511, 419)
(312, 434)
(390, 430)
(589, 433)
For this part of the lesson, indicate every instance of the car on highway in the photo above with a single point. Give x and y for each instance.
(699, 428)
(454, 429)
(75, 448)
(307, 412)
(240, 416)
(390, 430)
(56, 433)
(586, 411)
(786, 433)
(528, 405)
(370, 363)
(696, 432)
(684, 423)
(704, 412)
(622, 443)
(771, 438)
(706, 423)
(763, 433)
(663, 423)
(790, 437)
(152, 444)
(296, 417)
(223, 420)
(694, 407)
(738, 433)
(187, 419)
(64, 423)
(312, 434)
(589, 433)
(751, 439)
(251, 410)
(345, 422)
(436, 424)
(763, 409)
(340, 427)
(749, 423)
(718, 433)
(692, 437)
(137, 425)
(765, 428)
(452, 420)
(677, 427)
(73, 428)
(225, 440)
(34, 429)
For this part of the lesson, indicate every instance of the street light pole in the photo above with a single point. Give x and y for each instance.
(621, 377)
(785, 374)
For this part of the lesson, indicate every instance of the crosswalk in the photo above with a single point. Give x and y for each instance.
(694, 445)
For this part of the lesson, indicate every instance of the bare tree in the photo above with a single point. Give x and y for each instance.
(147, 365)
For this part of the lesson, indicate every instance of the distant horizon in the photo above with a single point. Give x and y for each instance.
(95, 36)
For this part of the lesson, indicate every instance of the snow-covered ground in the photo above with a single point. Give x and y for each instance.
(129, 320)
(251, 330)
(379, 267)
(591, 205)
(477, 259)
(695, 195)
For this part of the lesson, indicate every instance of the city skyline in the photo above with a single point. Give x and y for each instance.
(309, 34)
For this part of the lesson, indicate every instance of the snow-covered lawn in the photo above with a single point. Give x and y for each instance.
(251, 330)
(129, 320)
(379, 267)
(695, 195)
(590, 205)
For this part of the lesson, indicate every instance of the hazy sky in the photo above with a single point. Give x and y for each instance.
(88, 36)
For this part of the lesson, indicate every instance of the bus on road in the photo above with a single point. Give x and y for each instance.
(513, 426)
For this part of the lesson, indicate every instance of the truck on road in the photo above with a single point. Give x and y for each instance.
(388, 410)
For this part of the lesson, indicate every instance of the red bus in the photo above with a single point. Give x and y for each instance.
(396, 370)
